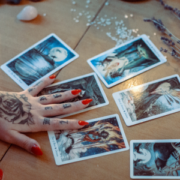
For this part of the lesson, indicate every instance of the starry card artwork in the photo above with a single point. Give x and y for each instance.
(149, 101)
(102, 136)
(155, 159)
(40, 60)
(126, 61)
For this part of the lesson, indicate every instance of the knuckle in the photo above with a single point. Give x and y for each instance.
(55, 123)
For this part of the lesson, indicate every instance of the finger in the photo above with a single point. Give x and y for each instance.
(65, 108)
(25, 142)
(58, 97)
(34, 90)
(51, 124)
(1, 174)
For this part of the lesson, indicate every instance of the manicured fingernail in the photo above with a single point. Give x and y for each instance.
(52, 76)
(83, 123)
(86, 101)
(1, 174)
(76, 91)
(36, 150)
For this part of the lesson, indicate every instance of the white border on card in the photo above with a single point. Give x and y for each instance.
(89, 108)
(150, 45)
(123, 109)
(131, 159)
(56, 153)
(19, 81)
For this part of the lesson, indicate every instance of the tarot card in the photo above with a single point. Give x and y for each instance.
(149, 101)
(40, 60)
(90, 86)
(126, 61)
(155, 159)
(102, 136)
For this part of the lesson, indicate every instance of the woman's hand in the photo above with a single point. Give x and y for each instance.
(24, 112)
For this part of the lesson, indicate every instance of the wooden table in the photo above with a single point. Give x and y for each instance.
(87, 41)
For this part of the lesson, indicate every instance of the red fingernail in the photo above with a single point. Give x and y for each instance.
(76, 91)
(83, 123)
(36, 150)
(52, 76)
(86, 101)
(1, 174)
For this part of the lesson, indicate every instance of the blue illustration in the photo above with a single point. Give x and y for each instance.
(125, 61)
(40, 60)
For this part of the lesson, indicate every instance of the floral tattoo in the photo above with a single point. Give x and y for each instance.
(15, 109)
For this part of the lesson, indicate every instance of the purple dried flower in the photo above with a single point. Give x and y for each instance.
(161, 49)
(165, 50)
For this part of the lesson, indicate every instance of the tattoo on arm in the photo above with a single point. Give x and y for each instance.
(46, 121)
(57, 95)
(66, 106)
(15, 109)
(43, 98)
(49, 107)
(63, 122)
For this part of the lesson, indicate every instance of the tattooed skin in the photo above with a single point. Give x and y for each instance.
(43, 98)
(66, 106)
(38, 83)
(46, 121)
(63, 122)
(15, 110)
(30, 90)
(47, 108)
(57, 95)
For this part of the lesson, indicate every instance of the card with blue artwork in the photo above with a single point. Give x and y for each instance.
(149, 101)
(126, 61)
(102, 136)
(155, 159)
(40, 60)
(90, 86)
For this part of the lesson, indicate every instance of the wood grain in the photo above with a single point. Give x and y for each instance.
(18, 164)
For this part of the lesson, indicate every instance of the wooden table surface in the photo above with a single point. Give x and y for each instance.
(87, 41)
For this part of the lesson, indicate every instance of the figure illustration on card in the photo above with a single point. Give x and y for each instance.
(95, 138)
(125, 61)
(149, 100)
(156, 159)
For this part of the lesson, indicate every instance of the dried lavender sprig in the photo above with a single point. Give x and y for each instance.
(175, 11)
(172, 53)
(160, 26)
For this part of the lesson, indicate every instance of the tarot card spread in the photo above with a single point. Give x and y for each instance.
(155, 159)
(39, 61)
(150, 100)
(102, 136)
(128, 60)
(90, 86)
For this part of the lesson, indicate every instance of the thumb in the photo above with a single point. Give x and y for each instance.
(25, 142)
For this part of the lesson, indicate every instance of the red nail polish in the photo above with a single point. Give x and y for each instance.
(86, 101)
(83, 123)
(76, 91)
(52, 76)
(1, 174)
(36, 150)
